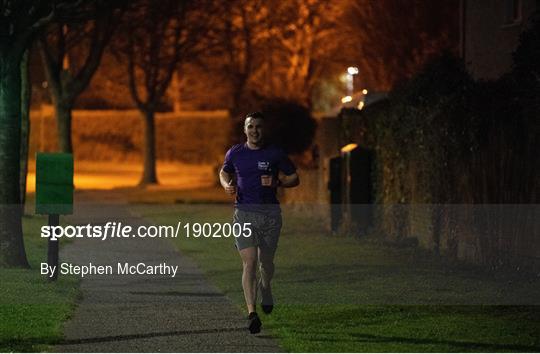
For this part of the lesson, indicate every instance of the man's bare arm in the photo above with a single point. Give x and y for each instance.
(227, 182)
(289, 181)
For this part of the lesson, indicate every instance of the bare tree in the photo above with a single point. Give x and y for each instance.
(239, 37)
(275, 48)
(20, 21)
(158, 37)
(69, 72)
(306, 40)
(393, 39)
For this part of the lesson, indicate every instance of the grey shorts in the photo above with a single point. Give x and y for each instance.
(265, 229)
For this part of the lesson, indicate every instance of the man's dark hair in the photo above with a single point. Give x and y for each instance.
(255, 115)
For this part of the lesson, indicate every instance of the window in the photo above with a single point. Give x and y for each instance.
(512, 13)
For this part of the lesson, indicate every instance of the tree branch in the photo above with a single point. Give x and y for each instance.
(52, 70)
(103, 30)
(132, 75)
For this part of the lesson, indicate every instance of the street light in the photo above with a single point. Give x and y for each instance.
(346, 99)
(351, 71)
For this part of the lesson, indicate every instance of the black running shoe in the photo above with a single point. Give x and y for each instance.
(254, 323)
(267, 309)
(267, 300)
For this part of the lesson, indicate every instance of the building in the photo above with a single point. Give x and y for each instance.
(489, 34)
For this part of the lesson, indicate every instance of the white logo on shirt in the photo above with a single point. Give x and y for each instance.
(263, 165)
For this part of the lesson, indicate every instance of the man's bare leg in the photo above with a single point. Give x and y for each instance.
(249, 276)
(266, 258)
(249, 284)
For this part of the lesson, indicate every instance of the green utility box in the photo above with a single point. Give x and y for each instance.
(54, 183)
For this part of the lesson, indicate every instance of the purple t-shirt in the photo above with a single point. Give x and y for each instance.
(249, 165)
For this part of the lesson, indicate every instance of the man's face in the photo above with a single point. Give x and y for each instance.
(253, 128)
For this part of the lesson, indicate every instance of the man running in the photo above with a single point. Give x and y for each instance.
(254, 170)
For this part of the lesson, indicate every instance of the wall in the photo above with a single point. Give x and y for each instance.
(489, 42)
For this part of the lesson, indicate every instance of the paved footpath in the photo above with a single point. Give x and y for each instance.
(153, 313)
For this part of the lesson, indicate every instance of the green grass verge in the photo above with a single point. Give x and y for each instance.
(332, 294)
(32, 310)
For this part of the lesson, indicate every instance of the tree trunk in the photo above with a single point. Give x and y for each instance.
(26, 94)
(149, 173)
(63, 127)
(11, 238)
